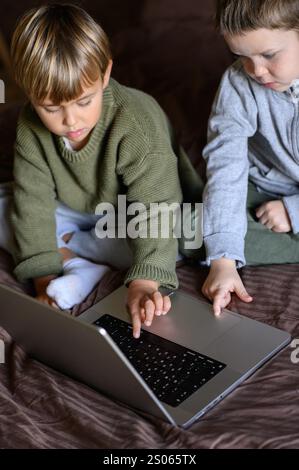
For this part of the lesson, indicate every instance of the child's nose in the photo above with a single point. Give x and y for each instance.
(256, 70)
(260, 73)
(69, 119)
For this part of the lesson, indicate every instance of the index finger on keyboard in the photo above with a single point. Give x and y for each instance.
(136, 321)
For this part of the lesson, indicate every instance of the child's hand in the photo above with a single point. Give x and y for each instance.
(223, 279)
(41, 284)
(45, 299)
(144, 301)
(274, 216)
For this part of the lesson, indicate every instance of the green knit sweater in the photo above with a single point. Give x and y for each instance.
(130, 151)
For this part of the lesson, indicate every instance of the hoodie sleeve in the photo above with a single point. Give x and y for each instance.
(233, 120)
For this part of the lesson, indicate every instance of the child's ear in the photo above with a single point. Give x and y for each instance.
(107, 74)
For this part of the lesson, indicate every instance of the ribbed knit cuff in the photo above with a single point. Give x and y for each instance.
(154, 273)
(39, 265)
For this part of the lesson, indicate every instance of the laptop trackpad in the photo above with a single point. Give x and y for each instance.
(192, 323)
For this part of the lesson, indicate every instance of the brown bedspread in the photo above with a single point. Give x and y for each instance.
(167, 48)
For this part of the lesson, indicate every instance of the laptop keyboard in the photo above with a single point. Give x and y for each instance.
(171, 371)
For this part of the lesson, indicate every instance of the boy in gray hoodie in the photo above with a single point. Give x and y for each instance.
(251, 199)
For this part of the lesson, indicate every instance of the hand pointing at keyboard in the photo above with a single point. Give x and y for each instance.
(144, 301)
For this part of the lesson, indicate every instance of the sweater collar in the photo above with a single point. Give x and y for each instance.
(96, 134)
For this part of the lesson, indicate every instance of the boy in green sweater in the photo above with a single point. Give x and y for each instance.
(84, 139)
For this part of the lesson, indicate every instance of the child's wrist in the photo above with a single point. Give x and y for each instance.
(145, 283)
(223, 262)
(41, 283)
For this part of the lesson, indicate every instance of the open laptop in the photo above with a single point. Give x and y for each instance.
(180, 367)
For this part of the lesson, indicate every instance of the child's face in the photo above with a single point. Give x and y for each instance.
(75, 119)
(270, 57)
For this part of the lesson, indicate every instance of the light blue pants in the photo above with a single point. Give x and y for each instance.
(84, 242)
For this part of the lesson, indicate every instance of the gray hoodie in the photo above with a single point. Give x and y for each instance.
(253, 134)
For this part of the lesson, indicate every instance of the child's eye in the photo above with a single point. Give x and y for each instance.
(268, 56)
(86, 103)
(51, 110)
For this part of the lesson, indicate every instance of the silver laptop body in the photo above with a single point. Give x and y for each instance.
(85, 352)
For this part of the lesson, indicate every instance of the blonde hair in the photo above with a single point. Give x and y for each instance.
(235, 17)
(57, 50)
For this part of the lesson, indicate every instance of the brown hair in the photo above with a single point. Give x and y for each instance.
(56, 50)
(238, 16)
